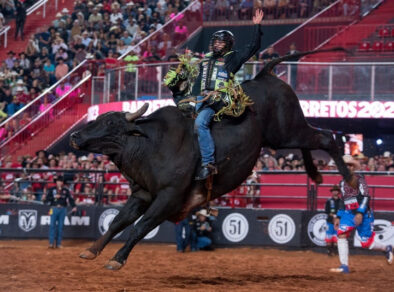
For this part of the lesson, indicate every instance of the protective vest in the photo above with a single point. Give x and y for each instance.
(130, 67)
(214, 74)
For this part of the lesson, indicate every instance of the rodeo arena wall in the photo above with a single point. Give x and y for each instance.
(233, 227)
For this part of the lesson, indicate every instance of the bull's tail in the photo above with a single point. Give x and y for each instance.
(270, 65)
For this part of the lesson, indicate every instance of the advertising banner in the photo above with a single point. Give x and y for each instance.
(311, 108)
(233, 227)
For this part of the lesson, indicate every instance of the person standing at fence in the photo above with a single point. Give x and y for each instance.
(293, 68)
(356, 214)
(331, 209)
(20, 19)
(58, 198)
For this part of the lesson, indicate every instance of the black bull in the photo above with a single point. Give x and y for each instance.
(159, 155)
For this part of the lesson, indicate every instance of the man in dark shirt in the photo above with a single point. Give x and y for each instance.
(293, 67)
(203, 230)
(217, 69)
(331, 209)
(58, 198)
(20, 19)
(269, 55)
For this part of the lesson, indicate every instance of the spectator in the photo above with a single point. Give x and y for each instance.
(246, 9)
(95, 17)
(116, 13)
(23, 61)
(62, 89)
(13, 107)
(20, 19)
(61, 53)
(269, 55)
(6, 97)
(282, 10)
(221, 9)
(131, 26)
(126, 38)
(46, 105)
(293, 69)
(61, 69)
(57, 44)
(10, 60)
(181, 33)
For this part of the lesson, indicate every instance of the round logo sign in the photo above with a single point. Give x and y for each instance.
(151, 234)
(106, 219)
(317, 229)
(235, 227)
(281, 228)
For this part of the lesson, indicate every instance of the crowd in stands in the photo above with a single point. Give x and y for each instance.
(112, 188)
(233, 10)
(95, 30)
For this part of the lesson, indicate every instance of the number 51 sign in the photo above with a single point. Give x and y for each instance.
(235, 227)
(281, 228)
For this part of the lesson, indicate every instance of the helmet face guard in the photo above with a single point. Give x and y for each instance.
(224, 36)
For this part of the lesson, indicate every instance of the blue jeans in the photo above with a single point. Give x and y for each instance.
(203, 241)
(58, 215)
(205, 140)
(182, 239)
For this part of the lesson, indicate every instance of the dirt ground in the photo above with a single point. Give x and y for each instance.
(31, 266)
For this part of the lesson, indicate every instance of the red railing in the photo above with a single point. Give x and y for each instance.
(289, 190)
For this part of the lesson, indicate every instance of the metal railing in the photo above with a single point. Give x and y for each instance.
(4, 32)
(308, 193)
(36, 6)
(363, 81)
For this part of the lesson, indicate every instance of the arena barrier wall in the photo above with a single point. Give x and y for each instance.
(233, 227)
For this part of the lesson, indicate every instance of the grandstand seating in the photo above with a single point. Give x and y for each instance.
(371, 35)
(33, 22)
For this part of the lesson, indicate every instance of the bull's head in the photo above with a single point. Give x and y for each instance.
(107, 134)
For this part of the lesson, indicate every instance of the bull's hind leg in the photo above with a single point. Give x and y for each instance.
(164, 206)
(130, 212)
(323, 139)
(310, 168)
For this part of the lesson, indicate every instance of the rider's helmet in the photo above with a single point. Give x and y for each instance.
(225, 36)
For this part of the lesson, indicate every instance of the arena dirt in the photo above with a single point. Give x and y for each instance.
(31, 266)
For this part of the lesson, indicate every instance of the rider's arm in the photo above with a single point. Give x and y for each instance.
(237, 58)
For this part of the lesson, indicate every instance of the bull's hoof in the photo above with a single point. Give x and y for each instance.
(113, 265)
(87, 255)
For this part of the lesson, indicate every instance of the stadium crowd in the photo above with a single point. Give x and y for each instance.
(233, 10)
(99, 31)
(113, 189)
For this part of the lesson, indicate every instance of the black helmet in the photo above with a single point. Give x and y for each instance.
(225, 36)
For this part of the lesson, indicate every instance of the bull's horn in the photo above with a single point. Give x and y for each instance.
(132, 116)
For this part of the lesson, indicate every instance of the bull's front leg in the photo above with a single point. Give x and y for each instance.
(166, 204)
(131, 211)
